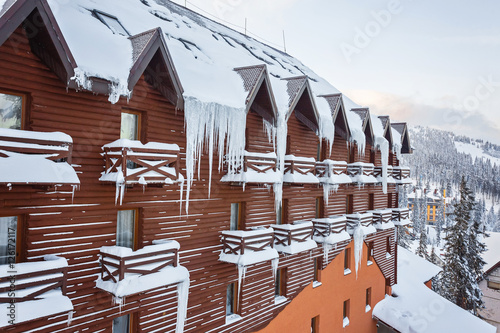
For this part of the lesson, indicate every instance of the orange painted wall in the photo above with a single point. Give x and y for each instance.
(327, 300)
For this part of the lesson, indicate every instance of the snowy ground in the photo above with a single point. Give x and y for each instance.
(476, 152)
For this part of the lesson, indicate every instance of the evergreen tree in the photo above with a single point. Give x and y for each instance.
(476, 263)
(422, 244)
(459, 278)
(403, 233)
(440, 219)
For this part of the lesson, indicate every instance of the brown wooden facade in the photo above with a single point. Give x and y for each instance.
(76, 227)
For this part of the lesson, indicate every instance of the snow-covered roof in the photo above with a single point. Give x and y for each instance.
(492, 254)
(416, 308)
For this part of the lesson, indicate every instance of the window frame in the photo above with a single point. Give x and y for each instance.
(320, 207)
(349, 204)
(20, 241)
(99, 15)
(239, 222)
(315, 324)
(132, 319)
(280, 282)
(24, 103)
(234, 301)
(347, 260)
(346, 309)
(368, 297)
(135, 240)
(370, 252)
(140, 131)
(318, 264)
(388, 247)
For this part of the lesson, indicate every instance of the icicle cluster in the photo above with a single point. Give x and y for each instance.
(358, 247)
(383, 145)
(208, 125)
(182, 302)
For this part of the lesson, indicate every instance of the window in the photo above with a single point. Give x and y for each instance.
(351, 154)
(12, 108)
(320, 207)
(371, 201)
(111, 22)
(282, 213)
(389, 200)
(349, 207)
(372, 156)
(121, 324)
(388, 245)
(236, 216)
(10, 240)
(347, 261)
(494, 285)
(368, 299)
(232, 299)
(321, 151)
(130, 125)
(315, 324)
(370, 253)
(126, 229)
(345, 311)
(318, 263)
(280, 283)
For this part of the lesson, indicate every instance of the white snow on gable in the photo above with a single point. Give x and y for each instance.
(381, 144)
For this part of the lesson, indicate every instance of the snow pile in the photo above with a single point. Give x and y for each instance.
(296, 230)
(415, 308)
(47, 304)
(249, 257)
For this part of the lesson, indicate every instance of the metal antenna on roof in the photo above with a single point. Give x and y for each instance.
(284, 41)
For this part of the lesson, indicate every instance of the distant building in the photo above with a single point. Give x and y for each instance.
(434, 199)
(490, 285)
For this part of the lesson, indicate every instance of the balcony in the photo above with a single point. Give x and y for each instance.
(330, 230)
(258, 168)
(377, 173)
(36, 158)
(401, 175)
(38, 289)
(248, 247)
(300, 170)
(293, 238)
(332, 172)
(361, 173)
(131, 162)
(364, 220)
(401, 216)
(125, 272)
(382, 219)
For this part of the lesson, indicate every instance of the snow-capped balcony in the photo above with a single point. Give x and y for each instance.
(401, 175)
(36, 290)
(294, 238)
(125, 272)
(361, 173)
(247, 247)
(131, 162)
(330, 230)
(300, 170)
(332, 172)
(364, 220)
(36, 158)
(258, 168)
(377, 173)
(401, 216)
(382, 219)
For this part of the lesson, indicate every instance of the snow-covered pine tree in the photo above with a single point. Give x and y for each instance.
(476, 263)
(440, 218)
(422, 245)
(458, 278)
(403, 233)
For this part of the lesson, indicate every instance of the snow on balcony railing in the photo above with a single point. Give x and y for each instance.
(37, 290)
(293, 238)
(332, 172)
(365, 220)
(401, 216)
(248, 247)
(361, 173)
(300, 170)
(258, 168)
(125, 272)
(401, 175)
(131, 162)
(377, 173)
(330, 230)
(36, 158)
(382, 218)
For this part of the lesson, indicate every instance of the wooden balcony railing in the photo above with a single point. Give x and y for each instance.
(364, 220)
(401, 216)
(401, 175)
(240, 242)
(117, 262)
(324, 227)
(382, 218)
(259, 168)
(33, 279)
(361, 172)
(332, 172)
(300, 165)
(260, 163)
(286, 235)
(131, 162)
(377, 172)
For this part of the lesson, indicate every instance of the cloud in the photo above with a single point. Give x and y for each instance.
(414, 112)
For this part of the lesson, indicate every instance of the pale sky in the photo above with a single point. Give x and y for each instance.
(434, 63)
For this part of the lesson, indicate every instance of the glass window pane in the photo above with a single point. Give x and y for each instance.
(235, 216)
(11, 110)
(121, 324)
(129, 126)
(230, 299)
(8, 235)
(125, 228)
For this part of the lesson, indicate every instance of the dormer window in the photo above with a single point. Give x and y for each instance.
(111, 22)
